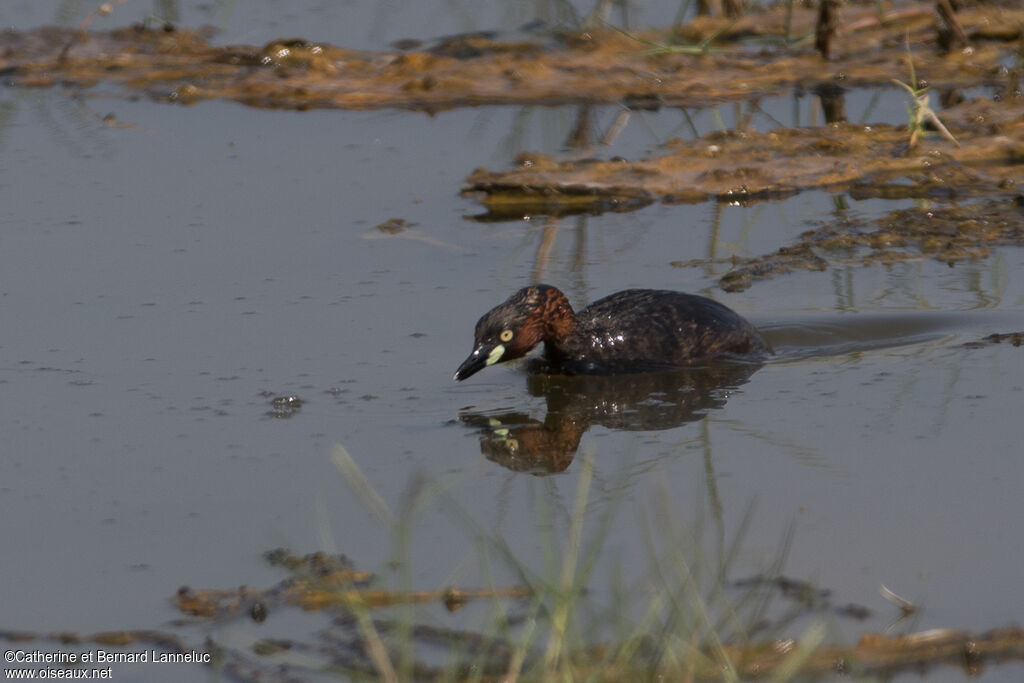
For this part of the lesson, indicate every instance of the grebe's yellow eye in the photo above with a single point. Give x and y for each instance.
(506, 335)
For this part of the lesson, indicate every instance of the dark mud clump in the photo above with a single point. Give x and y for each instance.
(948, 234)
(1012, 338)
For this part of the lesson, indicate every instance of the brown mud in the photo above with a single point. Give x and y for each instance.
(1011, 338)
(700, 64)
(948, 234)
(744, 166)
(330, 584)
(705, 62)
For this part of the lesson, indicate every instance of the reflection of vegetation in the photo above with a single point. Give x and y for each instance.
(7, 111)
(687, 620)
(545, 628)
(693, 623)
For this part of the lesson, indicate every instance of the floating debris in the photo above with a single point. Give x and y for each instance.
(1013, 338)
(393, 226)
(283, 407)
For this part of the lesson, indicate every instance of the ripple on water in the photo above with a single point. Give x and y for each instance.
(835, 335)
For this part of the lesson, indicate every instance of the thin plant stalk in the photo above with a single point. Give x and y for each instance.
(920, 110)
(566, 583)
(805, 647)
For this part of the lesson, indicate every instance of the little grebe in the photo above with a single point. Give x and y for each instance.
(636, 330)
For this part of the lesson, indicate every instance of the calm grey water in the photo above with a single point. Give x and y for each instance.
(162, 281)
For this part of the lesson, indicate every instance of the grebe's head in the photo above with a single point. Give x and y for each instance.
(510, 330)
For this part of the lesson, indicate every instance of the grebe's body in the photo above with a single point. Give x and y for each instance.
(636, 330)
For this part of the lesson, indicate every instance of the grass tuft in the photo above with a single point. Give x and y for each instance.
(680, 622)
(919, 110)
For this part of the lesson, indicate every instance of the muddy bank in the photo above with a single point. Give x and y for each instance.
(699, 64)
(742, 166)
(362, 637)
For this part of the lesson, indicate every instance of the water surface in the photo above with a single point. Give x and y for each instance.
(163, 281)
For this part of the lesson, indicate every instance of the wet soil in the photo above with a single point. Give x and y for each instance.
(705, 62)
(948, 234)
(1011, 338)
(701, 64)
(329, 583)
(744, 166)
